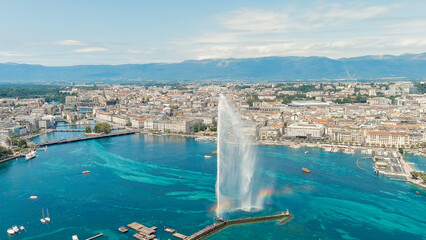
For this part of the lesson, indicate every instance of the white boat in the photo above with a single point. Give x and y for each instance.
(74, 237)
(45, 149)
(22, 228)
(33, 197)
(42, 220)
(335, 150)
(207, 156)
(48, 217)
(31, 155)
(10, 231)
(306, 152)
(15, 229)
(328, 149)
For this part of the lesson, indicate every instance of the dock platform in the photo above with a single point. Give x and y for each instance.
(179, 235)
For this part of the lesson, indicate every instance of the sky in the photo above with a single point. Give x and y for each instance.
(83, 32)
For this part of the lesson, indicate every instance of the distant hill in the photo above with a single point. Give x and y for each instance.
(409, 66)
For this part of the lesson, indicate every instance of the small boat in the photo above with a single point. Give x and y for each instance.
(214, 152)
(10, 231)
(328, 149)
(45, 149)
(31, 155)
(86, 172)
(207, 156)
(48, 217)
(74, 237)
(42, 220)
(22, 228)
(33, 197)
(305, 170)
(15, 229)
(417, 192)
(306, 152)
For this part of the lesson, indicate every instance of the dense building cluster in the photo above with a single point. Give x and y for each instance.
(383, 114)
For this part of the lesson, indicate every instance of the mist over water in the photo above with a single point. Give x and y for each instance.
(237, 184)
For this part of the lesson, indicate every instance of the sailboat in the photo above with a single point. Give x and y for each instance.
(42, 220)
(47, 219)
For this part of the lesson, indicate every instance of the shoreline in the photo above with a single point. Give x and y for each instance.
(406, 165)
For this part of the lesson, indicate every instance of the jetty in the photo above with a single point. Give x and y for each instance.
(70, 140)
(12, 157)
(99, 235)
(284, 217)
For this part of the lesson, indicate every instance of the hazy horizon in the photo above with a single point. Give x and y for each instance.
(134, 32)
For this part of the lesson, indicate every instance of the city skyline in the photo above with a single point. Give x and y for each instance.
(106, 32)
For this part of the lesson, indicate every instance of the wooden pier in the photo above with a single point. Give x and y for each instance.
(99, 235)
(214, 228)
(70, 140)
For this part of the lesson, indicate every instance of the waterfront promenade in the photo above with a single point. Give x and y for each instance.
(70, 140)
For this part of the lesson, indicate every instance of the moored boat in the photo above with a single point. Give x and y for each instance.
(305, 170)
(86, 172)
(74, 237)
(207, 156)
(214, 152)
(22, 228)
(48, 217)
(42, 220)
(10, 231)
(15, 229)
(31, 155)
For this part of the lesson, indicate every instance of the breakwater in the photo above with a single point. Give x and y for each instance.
(217, 227)
(70, 140)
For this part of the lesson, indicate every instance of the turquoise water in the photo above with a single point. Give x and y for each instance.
(52, 136)
(166, 181)
(419, 161)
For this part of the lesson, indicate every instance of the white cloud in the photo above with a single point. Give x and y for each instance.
(71, 43)
(248, 20)
(356, 14)
(13, 54)
(90, 50)
(333, 30)
(409, 42)
(139, 51)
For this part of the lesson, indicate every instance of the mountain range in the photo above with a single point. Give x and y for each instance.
(406, 66)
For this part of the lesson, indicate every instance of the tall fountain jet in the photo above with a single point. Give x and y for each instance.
(237, 185)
